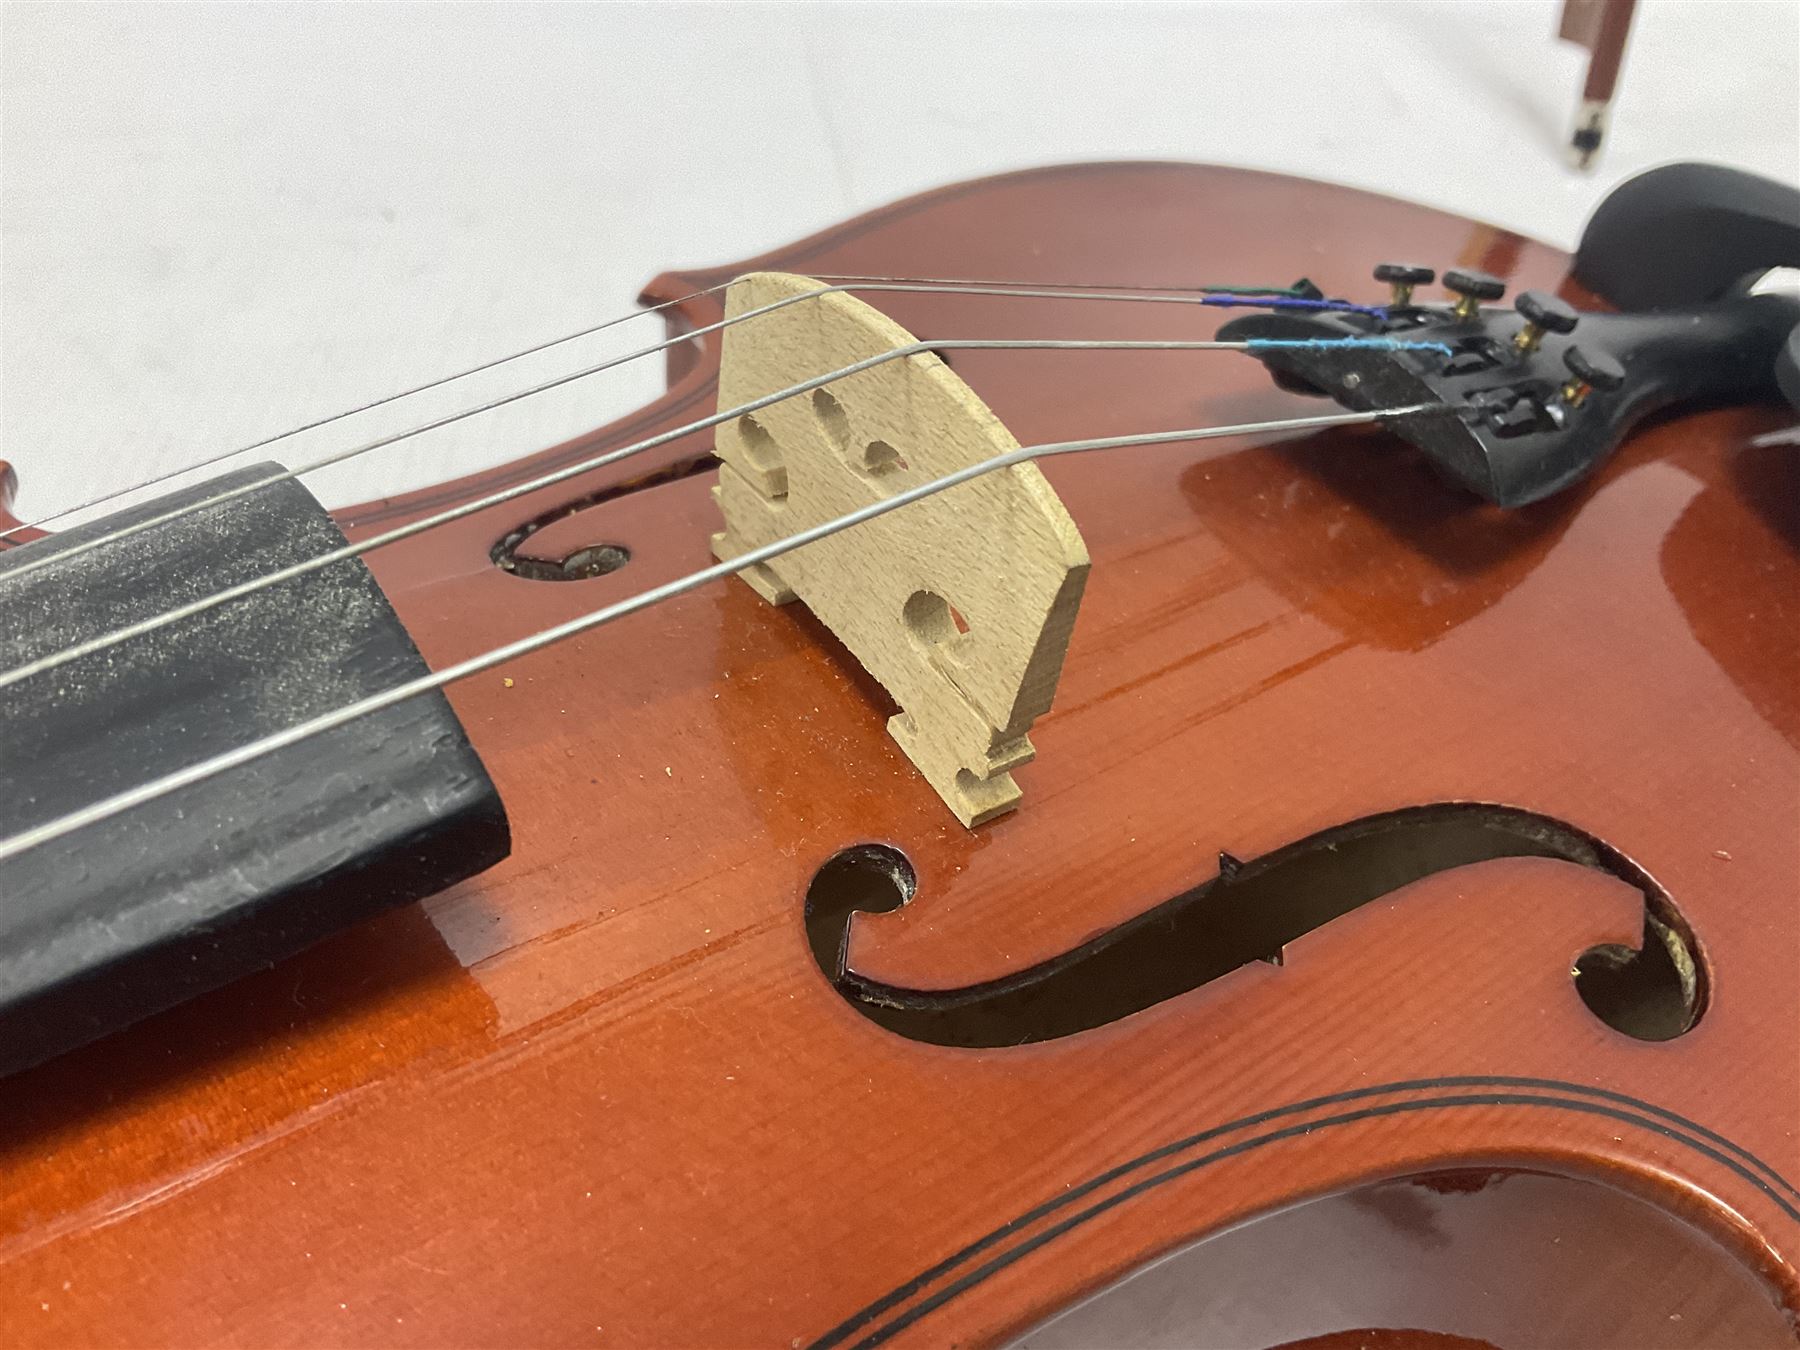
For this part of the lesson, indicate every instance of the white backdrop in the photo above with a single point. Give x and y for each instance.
(223, 220)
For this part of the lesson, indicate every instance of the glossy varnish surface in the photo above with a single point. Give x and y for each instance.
(603, 1095)
(1508, 1259)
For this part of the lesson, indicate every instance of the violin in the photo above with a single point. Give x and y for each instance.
(1386, 934)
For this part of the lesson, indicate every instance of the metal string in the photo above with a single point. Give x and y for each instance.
(1297, 296)
(1273, 292)
(341, 456)
(440, 381)
(198, 772)
(1299, 289)
(103, 641)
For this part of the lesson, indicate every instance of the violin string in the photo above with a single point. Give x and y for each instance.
(1298, 290)
(342, 456)
(314, 425)
(108, 807)
(1297, 296)
(142, 627)
(6, 532)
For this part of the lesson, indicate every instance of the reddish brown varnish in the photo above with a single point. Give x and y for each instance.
(602, 1095)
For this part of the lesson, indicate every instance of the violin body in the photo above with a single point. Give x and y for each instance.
(604, 1093)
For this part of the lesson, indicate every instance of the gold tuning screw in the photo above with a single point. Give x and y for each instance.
(1471, 288)
(1588, 373)
(1402, 277)
(1544, 313)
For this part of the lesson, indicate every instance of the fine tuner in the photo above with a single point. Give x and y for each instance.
(1543, 392)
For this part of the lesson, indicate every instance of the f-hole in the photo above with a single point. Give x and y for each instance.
(596, 560)
(1249, 912)
(590, 560)
(863, 879)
